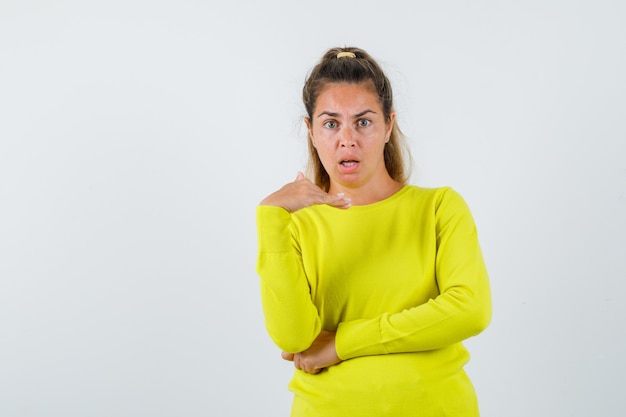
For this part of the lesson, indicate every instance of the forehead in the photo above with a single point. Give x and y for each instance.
(348, 96)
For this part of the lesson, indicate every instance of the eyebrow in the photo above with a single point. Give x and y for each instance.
(333, 114)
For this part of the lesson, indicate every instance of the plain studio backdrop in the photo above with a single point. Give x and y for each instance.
(137, 138)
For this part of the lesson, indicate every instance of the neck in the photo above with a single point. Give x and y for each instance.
(367, 193)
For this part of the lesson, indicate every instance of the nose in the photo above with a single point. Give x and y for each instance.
(346, 140)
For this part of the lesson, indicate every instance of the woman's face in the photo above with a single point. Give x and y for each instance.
(349, 132)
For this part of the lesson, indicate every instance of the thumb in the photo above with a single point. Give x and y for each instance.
(300, 176)
(287, 356)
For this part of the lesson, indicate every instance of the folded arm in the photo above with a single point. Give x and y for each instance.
(461, 310)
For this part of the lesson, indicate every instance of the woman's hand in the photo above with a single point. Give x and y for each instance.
(303, 193)
(321, 354)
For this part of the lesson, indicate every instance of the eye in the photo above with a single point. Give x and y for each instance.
(330, 124)
(363, 122)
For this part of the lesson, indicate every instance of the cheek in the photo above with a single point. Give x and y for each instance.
(322, 142)
(324, 152)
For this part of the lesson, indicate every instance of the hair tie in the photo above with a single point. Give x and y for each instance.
(346, 55)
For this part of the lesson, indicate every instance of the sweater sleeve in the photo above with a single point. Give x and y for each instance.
(461, 310)
(291, 318)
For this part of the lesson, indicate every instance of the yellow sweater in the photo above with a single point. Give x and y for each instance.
(402, 282)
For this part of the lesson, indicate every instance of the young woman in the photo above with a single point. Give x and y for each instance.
(369, 285)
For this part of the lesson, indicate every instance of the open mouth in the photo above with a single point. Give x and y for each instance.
(348, 164)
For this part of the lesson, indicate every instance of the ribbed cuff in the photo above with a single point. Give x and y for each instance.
(359, 338)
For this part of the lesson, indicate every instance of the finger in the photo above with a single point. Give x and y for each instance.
(287, 356)
(339, 201)
(305, 365)
(314, 371)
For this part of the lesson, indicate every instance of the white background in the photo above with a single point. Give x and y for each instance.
(137, 137)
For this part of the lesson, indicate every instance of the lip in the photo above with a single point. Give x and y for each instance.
(348, 165)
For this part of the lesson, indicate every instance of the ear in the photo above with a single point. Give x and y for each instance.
(390, 123)
(309, 127)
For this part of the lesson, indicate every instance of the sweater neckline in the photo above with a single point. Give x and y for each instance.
(389, 200)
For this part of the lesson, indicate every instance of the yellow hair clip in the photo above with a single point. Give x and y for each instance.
(346, 55)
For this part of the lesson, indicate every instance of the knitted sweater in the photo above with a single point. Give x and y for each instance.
(402, 282)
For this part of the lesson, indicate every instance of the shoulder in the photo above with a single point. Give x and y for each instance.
(435, 194)
(439, 201)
